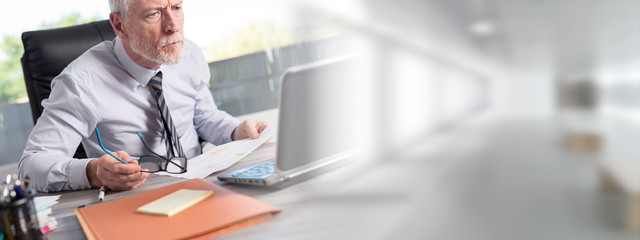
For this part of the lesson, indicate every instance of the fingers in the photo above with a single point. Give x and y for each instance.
(115, 166)
(121, 186)
(252, 132)
(118, 176)
(250, 129)
(121, 182)
(258, 127)
(261, 125)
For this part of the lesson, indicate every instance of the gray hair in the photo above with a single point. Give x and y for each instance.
(120, 6)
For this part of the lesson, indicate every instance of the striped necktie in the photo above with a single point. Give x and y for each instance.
(169, 132)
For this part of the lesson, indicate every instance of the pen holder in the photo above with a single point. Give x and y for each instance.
(19, 219)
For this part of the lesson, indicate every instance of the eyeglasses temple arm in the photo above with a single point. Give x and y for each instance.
(105, 150)
(147, 146)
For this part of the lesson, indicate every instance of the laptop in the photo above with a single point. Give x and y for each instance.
(318, 123)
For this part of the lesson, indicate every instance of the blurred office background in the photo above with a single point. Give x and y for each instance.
(538, 100)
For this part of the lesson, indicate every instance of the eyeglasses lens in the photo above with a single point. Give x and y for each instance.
(177, 165)
(150, 162)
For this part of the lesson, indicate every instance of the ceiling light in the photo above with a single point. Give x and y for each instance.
(482, 28)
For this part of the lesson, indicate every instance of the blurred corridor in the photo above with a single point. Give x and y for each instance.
(557, 86)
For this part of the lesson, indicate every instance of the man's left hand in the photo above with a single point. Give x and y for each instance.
(249, 129)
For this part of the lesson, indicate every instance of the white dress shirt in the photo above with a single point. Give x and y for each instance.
(105, 88)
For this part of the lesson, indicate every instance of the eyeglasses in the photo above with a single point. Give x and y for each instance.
(155, 163)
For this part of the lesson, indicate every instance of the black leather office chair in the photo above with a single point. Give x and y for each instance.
(48, 52)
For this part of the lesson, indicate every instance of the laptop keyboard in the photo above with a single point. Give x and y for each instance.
(260, 170)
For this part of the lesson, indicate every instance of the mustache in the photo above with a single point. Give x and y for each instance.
(171, 39)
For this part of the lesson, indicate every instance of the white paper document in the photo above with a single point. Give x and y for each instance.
(223, 156)
(43, 202)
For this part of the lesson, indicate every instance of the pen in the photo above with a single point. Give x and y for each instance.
(26, 182)
(17, 187)
(6, 189)
(101, 194)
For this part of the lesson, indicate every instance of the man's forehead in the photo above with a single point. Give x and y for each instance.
(147, 4)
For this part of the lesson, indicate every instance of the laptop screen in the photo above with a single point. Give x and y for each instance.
(319, 113)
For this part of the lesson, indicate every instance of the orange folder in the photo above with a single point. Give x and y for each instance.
(220, 213)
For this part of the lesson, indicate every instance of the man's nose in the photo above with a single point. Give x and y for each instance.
(171, 22)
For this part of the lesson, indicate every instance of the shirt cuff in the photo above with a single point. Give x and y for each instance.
(78, 174)
(227, 133)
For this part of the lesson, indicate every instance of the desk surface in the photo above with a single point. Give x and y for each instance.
(496, 181)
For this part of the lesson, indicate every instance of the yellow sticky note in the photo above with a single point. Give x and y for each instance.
(175, 202)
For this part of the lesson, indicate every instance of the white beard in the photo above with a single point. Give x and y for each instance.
(155, 53)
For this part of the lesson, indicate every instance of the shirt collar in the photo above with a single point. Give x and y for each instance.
(139, 73)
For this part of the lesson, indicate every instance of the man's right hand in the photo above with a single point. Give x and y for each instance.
(115, 175)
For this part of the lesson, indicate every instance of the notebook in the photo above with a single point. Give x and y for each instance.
(318, 126)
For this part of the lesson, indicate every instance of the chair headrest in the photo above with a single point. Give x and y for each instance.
(48, 52)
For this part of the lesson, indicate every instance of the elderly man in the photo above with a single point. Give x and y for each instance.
(149, 79)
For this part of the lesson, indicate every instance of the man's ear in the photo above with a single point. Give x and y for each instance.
(116, 23)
